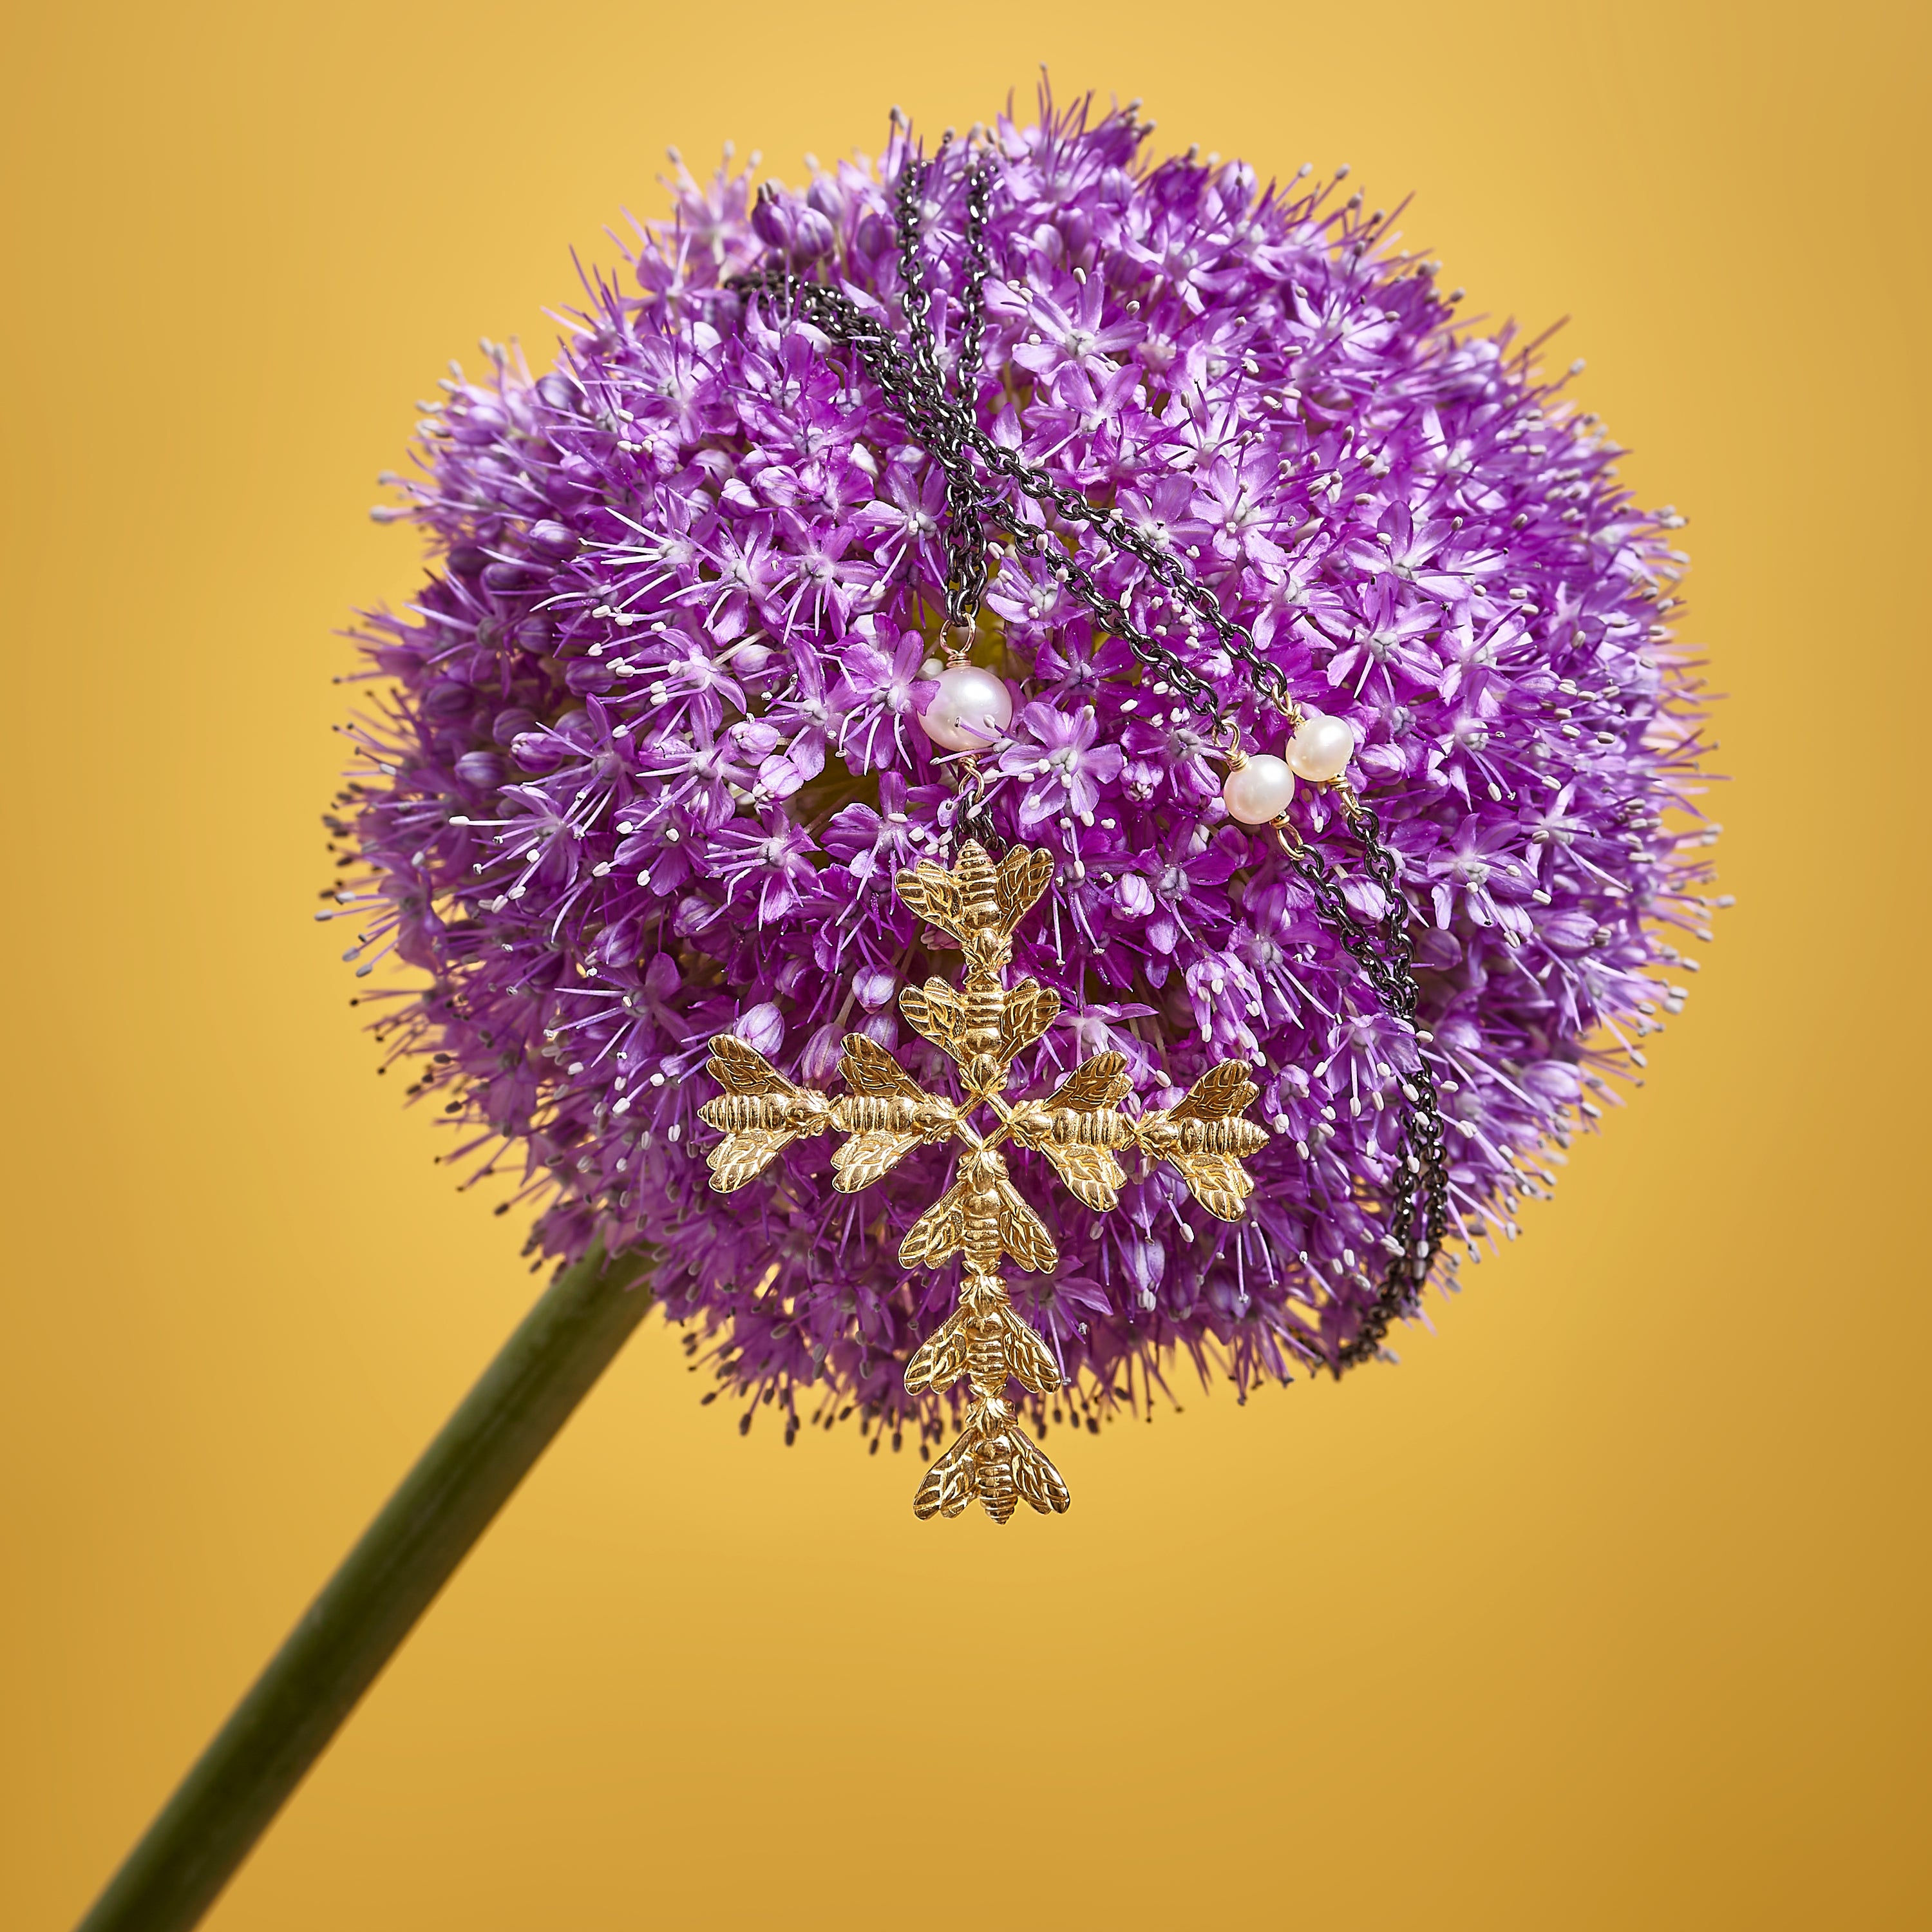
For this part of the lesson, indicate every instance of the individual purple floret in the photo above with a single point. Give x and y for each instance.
(646, 754)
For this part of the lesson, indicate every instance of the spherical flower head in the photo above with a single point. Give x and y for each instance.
(647, 756)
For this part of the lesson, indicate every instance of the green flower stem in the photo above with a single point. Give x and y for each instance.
(372, 1602)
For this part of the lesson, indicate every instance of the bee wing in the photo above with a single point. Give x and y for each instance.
(948, 1487)
(936, 1011)
(934, 1238)
(1027, 1355)
(741, 1156)
(1091, 1173)
(870, 1069)
(1101, 1082)
(1035, 1478)
(929, 891)
(1220, 1183)
(1220, 1091)
(1023, 1233)
(1030, 1009)
(740, 1069)
(941, 1359)
(858, 1162)
(1023, 876)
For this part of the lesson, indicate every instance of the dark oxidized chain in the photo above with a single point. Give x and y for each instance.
(965, 497)
(1420, 1193)
(942, 418)
(940, 426)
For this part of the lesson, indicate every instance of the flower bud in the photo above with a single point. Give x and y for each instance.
(762, 1028)
(819, 1062)
(481, 422)
(660, 976)
(799, 230)
(874, 987)
(551, 540)
(536, 750)
(482, 770)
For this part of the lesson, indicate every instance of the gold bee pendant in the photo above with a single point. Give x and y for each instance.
(983, 1025)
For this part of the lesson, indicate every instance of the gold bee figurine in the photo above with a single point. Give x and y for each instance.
(983, 1025)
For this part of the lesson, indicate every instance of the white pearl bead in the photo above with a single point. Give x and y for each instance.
(1259, 790)
(1321, 747)
(972, 709)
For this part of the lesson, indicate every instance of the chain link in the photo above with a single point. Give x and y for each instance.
(1418, 1212)
(972, 815)
(948, 412)
(942, 418)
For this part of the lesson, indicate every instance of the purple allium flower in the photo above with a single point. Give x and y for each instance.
(645, 758)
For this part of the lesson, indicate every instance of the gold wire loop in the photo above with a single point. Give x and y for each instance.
(971, 818)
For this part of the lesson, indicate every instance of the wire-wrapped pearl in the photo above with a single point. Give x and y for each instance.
(1258, 789)
(972, 709)
(1321, 747)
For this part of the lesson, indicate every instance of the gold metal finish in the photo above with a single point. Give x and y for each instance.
(982, 1024)
(1287, 837)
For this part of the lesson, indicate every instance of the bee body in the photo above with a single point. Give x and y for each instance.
(896, 1113)
(978, 889)
(986, 1361)
(981, 1237)
(1162, 1134)
(985, 1341)
(798, 1112)
(983, 1320)
(995, 1462)
(981, 1245)
(985, 1007)
(1076, 1126)
(866, 1113)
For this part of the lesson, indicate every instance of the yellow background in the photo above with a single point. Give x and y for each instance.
(1607, 1609)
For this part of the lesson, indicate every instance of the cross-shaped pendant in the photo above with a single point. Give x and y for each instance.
(1078, 1126)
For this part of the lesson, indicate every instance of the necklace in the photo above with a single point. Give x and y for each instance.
(977, 901)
